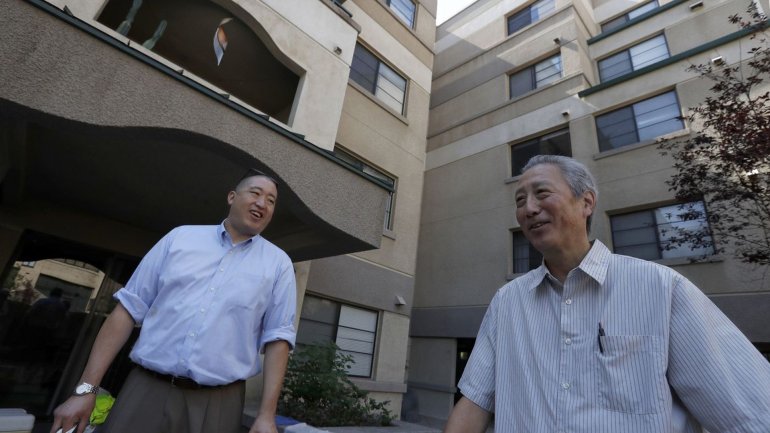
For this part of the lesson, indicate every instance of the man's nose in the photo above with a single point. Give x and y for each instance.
(532, 206)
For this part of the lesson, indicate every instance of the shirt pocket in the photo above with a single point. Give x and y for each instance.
(249, 291)
(631, 374)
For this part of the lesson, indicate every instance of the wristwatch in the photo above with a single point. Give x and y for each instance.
(85, 388)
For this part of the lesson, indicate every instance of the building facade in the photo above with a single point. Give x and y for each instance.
(122, 119)
(600, 81)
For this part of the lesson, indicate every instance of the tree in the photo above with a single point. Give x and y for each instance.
(727, 161)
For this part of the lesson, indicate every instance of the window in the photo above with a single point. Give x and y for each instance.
(656, 233)
(404, 9)
(529, 15)
(640, 55)
(525, 256)
(641, 121)
(555, 143)
(368, 169)
(619, 21)
(352, 329)
(537, 75)
(379, 79)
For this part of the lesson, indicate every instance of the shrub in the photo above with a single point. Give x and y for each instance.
(317, 391)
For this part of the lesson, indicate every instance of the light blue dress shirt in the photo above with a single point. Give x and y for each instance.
(669, 358)
(208, 307)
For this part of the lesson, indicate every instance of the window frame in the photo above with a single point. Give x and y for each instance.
(630, 58)
(626, 17)
(530, 249)
(606, 145)
(409, 23)
(531, 70)
(528, 10)
(537, 141)
(335, 338)
(371, 86)
(658, 232)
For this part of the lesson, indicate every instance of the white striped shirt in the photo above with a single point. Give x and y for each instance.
(538, 364)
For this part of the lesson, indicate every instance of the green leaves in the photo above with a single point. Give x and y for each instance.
(317, 390)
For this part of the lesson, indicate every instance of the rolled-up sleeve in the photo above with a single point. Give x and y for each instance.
(718, 374)
(278, 322)
(142, 288)
(478, 380)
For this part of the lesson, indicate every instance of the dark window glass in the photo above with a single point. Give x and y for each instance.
(404, 9)
(364, 68)
(616, 129)
(522, 82)
(352, 329)
(643, 120)
(378, 78)
(643, 54)
(525, 256)
(533, 13)
(537, 75)
(556, 143)
(617, 22)
(652, 234)
(615, 66)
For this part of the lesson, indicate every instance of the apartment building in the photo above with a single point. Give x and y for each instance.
(122, 119)
(600, 81)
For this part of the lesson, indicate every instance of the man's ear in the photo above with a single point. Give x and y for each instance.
(230, 197)
(589, 202)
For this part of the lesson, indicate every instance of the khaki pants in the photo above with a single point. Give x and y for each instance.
(150, 405)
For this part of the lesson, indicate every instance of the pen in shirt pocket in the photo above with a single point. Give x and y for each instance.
(599, 337)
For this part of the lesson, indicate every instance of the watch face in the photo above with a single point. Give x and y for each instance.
(83, 388)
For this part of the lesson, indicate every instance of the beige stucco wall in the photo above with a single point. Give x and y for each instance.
(304, 34)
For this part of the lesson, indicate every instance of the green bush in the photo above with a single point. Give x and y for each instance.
(317, 391)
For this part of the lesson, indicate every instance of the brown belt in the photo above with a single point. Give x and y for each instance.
(179, 381)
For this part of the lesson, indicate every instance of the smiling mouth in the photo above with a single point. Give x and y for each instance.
(537, 225)
(256, 214)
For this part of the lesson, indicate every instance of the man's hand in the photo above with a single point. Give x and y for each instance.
(264, 424)
(75, 411)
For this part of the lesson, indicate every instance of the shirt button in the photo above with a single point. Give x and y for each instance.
(192, 334)
(565, 385)
(221, 269)
(567, 341)
(203, 310)
(211, 289)
(568, 301)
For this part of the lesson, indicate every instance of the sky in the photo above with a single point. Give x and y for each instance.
(447, 8)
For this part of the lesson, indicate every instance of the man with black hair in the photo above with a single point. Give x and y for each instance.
(209, 300)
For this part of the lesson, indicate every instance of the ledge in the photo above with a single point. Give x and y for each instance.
(674, 59)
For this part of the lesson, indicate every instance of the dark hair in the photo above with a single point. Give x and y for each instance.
(575, 173)
(254, 172)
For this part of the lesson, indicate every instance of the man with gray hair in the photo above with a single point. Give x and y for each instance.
(594, 342)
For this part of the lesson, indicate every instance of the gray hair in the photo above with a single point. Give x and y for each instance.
(579, 179)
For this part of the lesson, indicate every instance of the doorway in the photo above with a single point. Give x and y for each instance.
(54, 297)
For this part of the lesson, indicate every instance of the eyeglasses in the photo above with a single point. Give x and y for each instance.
(254, 172)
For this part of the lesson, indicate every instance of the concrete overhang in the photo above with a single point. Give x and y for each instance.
(96, 128)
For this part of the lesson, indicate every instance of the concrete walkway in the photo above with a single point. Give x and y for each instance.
(397, 427)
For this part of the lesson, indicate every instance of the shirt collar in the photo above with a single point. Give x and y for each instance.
(226, 240)
(594, 264)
